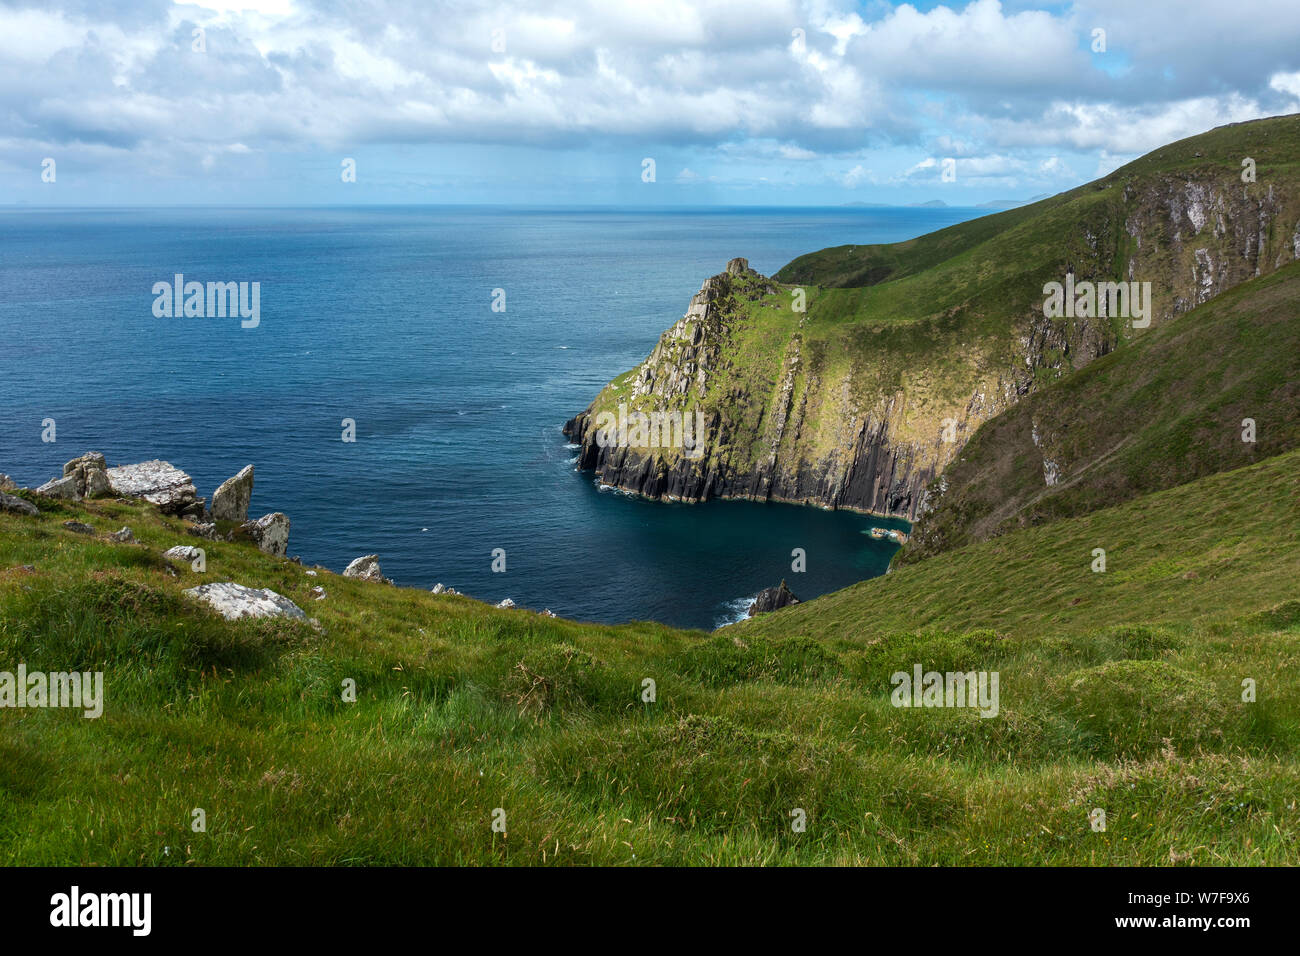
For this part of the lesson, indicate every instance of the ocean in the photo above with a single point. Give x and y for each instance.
(384, 315)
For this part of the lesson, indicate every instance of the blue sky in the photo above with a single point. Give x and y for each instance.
(562, 101)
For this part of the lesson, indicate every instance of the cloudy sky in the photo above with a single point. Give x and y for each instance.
(563, 101)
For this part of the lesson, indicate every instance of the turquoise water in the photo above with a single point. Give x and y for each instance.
(384, 316)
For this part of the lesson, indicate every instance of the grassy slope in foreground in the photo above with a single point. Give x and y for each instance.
(1164, 410)
(1118, 691)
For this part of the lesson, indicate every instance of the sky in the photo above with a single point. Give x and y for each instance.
(622, 102)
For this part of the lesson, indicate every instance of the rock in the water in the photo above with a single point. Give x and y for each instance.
(125, 536)
(182, 552)
(67, 488)
(156, 482)
(506, 602)
(772, 599)
(271, 532)
(76, 527)
(233, 601)
(230, 501)
(7, 483)
(17, 505)
(366, 568)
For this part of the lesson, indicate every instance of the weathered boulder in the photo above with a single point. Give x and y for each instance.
(230, 500)
(7, 483)
(772, 599)
(365, 567)
(17, 505)
(206, 530)
(270, 532)
(506, 602)
(83, 477)
(318, 593)
(76, 527)
(233, 601)
(183, 552)
(91, 458)
(156, 482)
(124, 536)
(68, 488)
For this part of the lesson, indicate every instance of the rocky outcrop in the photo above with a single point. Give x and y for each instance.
(230, 500)
(158, 483)
(234, 601)
(7, 483)
(122, 536)
(83, 477)
(270, 533)
(772, 599)
(78, 527)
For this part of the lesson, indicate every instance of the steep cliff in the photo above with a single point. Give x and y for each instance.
(853, 377)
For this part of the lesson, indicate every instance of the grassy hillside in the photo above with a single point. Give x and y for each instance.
(1118, 690)
(1165, 410)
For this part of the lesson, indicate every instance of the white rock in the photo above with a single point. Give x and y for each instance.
(182, 552)
(230, 500)
(156, 482)
(234, 601)
(271, 532)
(365, 567)
(506, 602)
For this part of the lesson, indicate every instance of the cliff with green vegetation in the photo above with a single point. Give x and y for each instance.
(1212, 390)
(902, 351)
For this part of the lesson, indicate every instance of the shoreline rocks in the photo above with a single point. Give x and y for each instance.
(772, 599)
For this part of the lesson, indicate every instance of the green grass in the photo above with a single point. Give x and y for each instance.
(1119, 690)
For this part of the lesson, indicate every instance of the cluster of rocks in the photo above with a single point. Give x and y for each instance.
(173, 492)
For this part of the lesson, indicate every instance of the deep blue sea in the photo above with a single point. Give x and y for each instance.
(384, 315)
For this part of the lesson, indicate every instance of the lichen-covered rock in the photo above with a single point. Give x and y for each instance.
(230, 500)
(270, 532)
(91, 458)
(366, 568)
(157, 482)
(206, 530)
(77, 527)
(94, 482)
(234, 601)
(182, 552)
(17, 505)
(506, 602)
(124, 536)
(69, 488)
